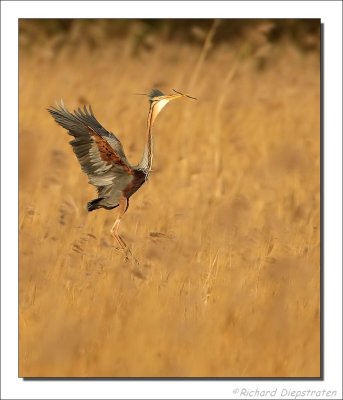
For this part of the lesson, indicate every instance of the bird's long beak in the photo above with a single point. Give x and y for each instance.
(168, 97)
(183, 95)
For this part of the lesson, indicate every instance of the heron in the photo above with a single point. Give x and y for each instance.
(102, 157)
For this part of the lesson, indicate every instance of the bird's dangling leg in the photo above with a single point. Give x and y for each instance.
(123, 203)
(115, 228)
(115, 234)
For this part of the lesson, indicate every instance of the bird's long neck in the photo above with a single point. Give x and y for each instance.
(155, 108)
(146, 161)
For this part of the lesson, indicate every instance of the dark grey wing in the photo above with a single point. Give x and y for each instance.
(99, 152)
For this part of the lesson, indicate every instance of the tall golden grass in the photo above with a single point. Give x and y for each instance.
(227, 230)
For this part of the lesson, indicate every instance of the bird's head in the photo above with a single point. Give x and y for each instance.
(159, 100)
(157, 95)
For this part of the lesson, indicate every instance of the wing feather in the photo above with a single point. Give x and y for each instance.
(99, 152)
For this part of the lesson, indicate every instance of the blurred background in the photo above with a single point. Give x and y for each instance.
(226, 231)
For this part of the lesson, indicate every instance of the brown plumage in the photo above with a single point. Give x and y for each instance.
(102, 157)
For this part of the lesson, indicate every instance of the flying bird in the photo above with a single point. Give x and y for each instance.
(102, 157)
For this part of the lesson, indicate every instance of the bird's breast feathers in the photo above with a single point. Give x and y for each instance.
(136, 182)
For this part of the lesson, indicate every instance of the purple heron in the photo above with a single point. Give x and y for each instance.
(102, 157)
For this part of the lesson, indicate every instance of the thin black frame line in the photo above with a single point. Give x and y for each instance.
(281, 379)
(321, 207)
(173, 18)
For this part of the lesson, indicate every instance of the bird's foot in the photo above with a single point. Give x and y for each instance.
(118, 248)
(128, 256)
(127, 253)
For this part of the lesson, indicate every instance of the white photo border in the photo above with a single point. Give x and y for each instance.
(330, 13)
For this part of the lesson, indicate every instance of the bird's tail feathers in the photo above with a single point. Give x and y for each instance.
(94, 204)
(101, 202)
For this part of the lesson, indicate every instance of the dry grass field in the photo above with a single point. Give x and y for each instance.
(226, 231)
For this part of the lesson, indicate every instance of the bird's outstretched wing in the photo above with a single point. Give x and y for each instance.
(99, 152)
